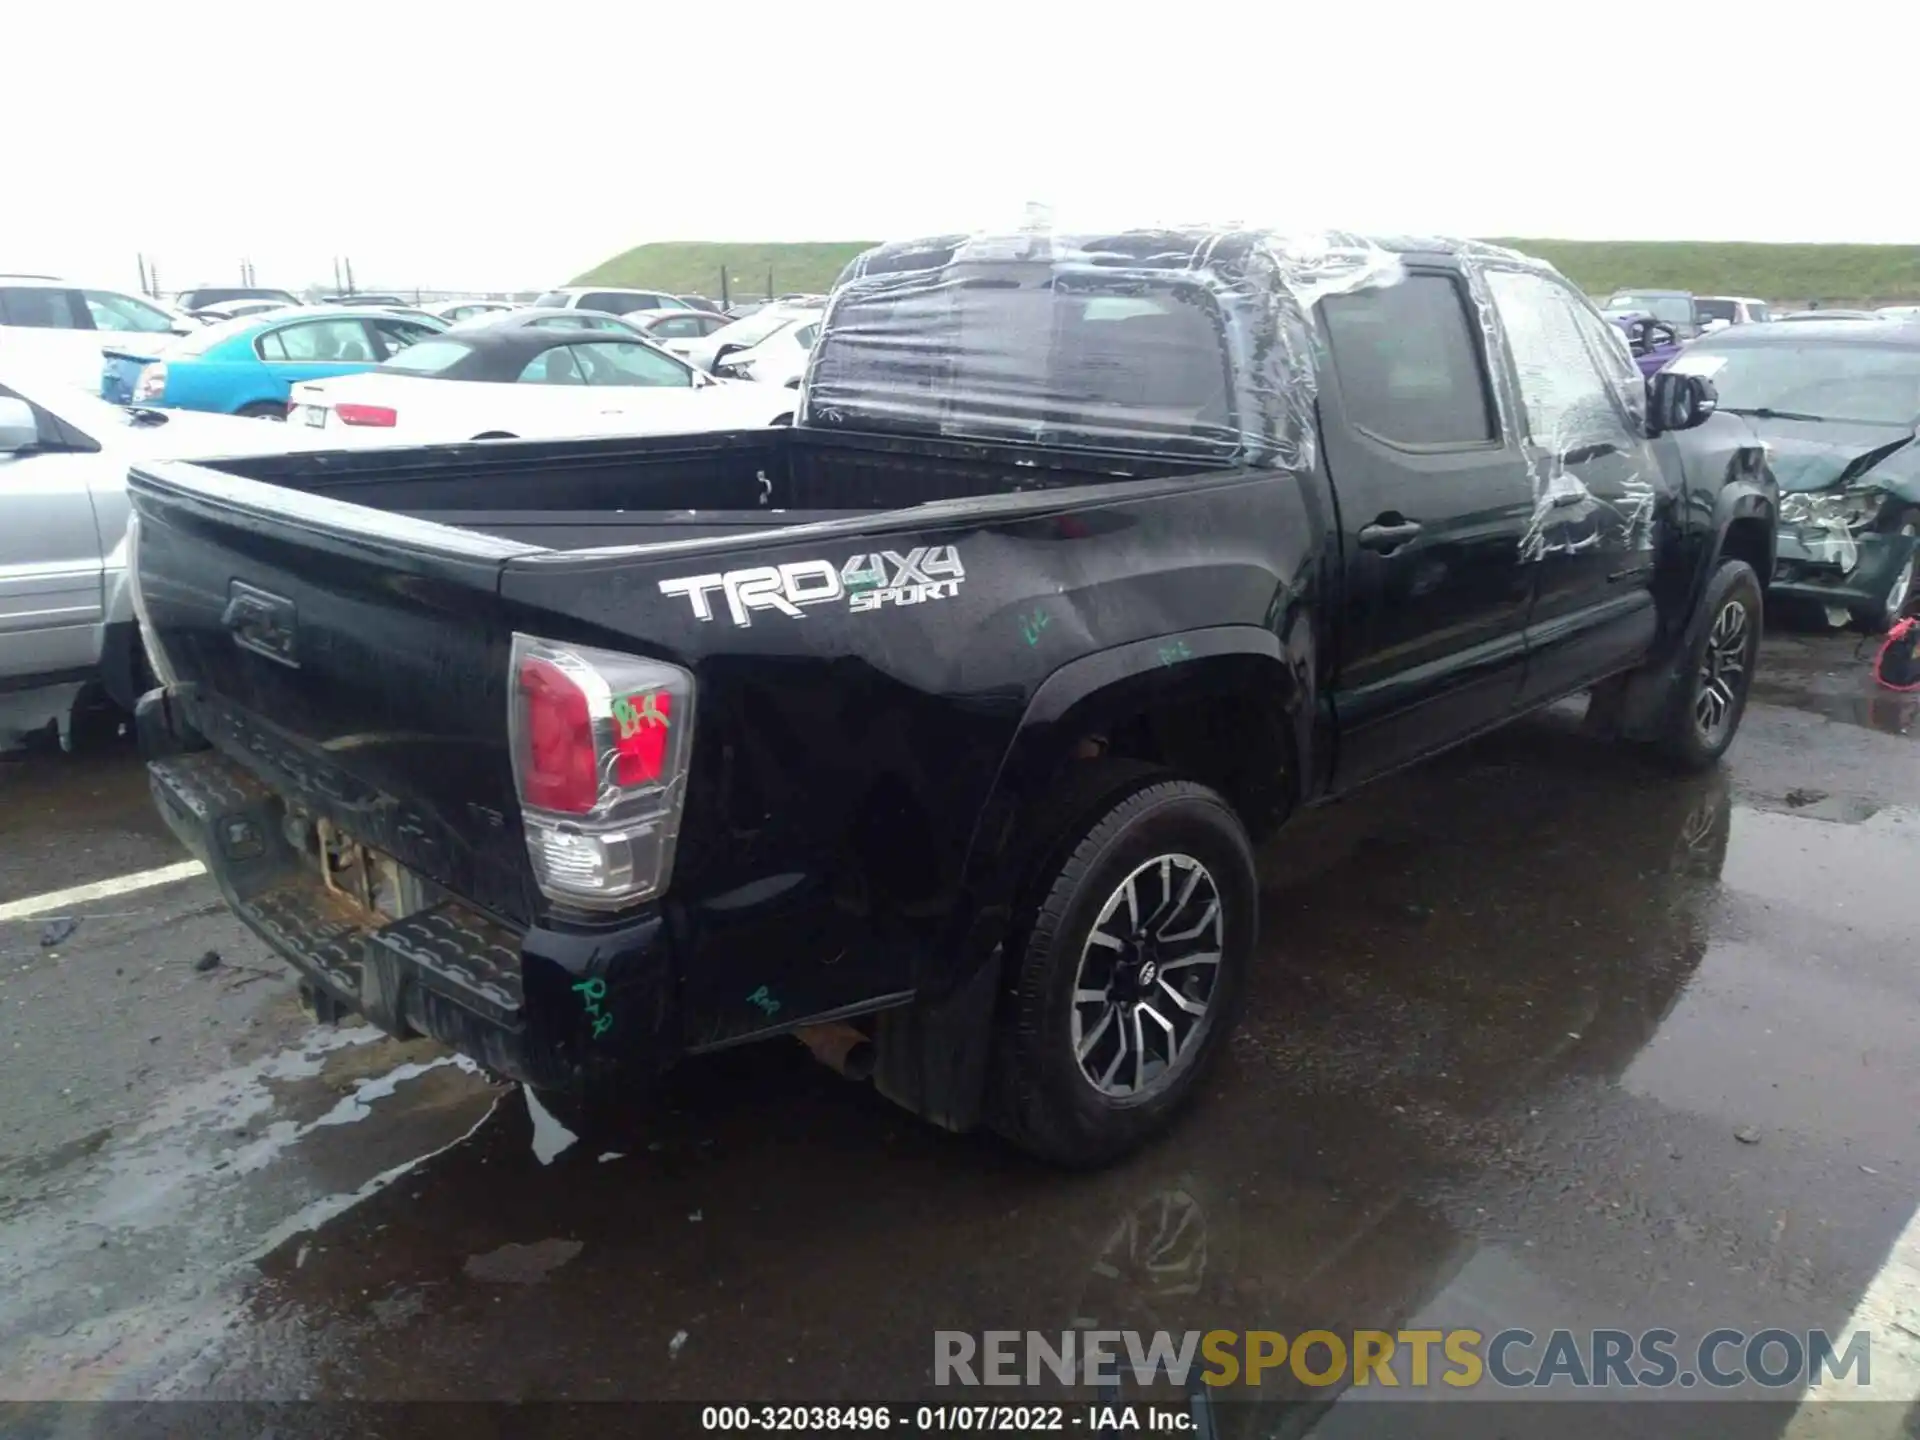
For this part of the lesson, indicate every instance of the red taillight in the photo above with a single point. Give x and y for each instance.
(381, 415)
(640, 739)
(601, 746)
(560, 755)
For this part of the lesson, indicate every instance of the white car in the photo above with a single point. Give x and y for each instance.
(779, 359)
(1717, 312)
(66, 615)
(505, 382)
(610, 301)
(55, 330)
(741, 334)
(454, 312)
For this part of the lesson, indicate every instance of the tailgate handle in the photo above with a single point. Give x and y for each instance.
(262, 622)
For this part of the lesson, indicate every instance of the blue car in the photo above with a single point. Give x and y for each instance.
(246, 366)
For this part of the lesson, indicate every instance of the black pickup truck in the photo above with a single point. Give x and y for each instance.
(938, 727)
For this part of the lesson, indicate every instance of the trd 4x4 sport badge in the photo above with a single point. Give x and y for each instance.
(865, 582)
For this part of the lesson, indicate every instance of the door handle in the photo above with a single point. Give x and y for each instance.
(1388, 533)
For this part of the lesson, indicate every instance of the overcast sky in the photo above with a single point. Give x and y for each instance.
(513, 145)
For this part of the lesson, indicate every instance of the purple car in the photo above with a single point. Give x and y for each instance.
(1653, 342)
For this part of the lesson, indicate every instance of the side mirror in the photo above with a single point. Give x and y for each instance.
(1678, 402)
(18, 429)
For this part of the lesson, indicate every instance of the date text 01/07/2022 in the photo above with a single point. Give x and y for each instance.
(933, 1419)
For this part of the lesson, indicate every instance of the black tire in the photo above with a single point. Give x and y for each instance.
(263, 410)
(1042, 1100)
(1881, 618)
(1695, 728)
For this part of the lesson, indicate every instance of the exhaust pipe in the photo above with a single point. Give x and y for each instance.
(839, 1047)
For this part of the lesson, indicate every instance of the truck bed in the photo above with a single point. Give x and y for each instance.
(582, 494)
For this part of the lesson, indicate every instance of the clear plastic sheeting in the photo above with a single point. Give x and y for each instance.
(1192, 342)
(1560, 348)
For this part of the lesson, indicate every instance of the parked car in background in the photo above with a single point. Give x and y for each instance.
(56, 330)
(202, 296)
(234, 309)
(1673, 307)
(779, 359)
(611, 301)
(538, 317)
(699, 302)
(66, 617)
(1652, 342)
(247, 366)
(740, 333)
(455, 311)
(355, 299)
(1720, 310)
(664, 327)
(513, 382)
(1831, 315)
(1836, 406)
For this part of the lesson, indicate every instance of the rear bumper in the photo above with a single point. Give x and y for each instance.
(531, 1005)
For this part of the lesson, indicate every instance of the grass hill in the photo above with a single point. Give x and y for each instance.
(1832, 274)
(694, 266)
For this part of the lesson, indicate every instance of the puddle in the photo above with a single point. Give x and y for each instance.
(522, 1264)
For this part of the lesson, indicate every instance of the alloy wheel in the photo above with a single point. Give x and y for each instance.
(1147, 977)
(1723, 673)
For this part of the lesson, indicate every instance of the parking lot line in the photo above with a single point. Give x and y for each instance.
(99, 890)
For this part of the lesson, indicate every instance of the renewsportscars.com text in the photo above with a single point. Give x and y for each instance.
(1414, 1359)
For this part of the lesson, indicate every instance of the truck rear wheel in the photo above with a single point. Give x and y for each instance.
(1703, 714)
(1128, 973)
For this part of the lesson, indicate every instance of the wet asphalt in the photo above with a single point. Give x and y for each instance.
(1540, 1036)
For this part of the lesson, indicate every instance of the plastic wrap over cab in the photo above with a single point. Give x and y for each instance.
(1196, 342)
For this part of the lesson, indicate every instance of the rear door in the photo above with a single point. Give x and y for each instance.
(1433, 497)
(1590, 537)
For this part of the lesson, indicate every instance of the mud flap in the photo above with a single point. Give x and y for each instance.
(931, 1057)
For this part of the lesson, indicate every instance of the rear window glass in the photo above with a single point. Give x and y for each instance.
(618, 302)
(429, 357)
(1020, 351)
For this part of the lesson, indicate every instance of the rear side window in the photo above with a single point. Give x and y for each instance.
(611, 363)
(551, 367)
(397, 335)
(1708, 309)
(37, 307)
(318, 341)
(1408, 368)
(679, 327)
